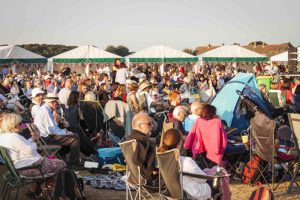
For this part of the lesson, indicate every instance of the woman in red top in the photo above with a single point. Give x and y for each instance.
(207, 136)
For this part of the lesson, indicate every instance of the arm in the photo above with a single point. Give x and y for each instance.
(52, 127)
(190, 138)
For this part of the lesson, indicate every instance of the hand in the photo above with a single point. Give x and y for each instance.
(35, 137)
(69, 133)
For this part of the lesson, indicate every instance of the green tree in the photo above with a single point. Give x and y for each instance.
(257, 43)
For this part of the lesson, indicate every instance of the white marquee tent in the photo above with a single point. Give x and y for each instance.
(231, 53)
(282, 57)
(16, 54)
(82, 54)
(161, 54)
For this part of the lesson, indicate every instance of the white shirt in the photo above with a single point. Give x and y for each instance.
(44, 120)
(122, 75)
(22, 152)
(63, 95)
(35, 109)
(196, 188)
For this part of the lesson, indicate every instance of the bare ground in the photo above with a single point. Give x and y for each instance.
(239, 191)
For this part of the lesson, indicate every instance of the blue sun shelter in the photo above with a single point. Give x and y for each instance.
(227, 101)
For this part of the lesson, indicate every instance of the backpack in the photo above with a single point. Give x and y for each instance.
(262, 193)
(68, 185)
(251, 171)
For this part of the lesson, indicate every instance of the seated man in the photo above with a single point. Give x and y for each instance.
(144, 156)
(52, 134)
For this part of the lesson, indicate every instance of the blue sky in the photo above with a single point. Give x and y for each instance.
(138, 24)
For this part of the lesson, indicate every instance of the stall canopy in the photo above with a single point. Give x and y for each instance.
(282, 57)
(12, 53)
(161, 54)
(231, 53)
(83, 54)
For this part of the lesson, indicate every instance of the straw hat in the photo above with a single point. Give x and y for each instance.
(51, 97)
(144, 85)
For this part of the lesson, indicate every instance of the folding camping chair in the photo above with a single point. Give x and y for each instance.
(294, 120)
(172, 175)
(44, 149)
(13, 179)
(134, 179)
(275, 98)
(262, 132)
(92, 113)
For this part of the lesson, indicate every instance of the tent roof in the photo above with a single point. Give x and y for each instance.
(86, 53)
(161, 53)
(14, 53)
(232, 53)
(282, 57)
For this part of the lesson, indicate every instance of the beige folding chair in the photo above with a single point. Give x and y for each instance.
(294, 120)
(134, 179)
(172, 174)
(45, 149)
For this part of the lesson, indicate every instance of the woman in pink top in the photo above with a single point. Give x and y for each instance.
(207, 136)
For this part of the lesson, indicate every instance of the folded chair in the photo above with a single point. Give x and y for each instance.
(134, 179)
(172, 175)
(92, 113)
(294, 120)
(262, 133)
(13, 179)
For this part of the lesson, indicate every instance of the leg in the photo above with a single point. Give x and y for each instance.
(71, 141)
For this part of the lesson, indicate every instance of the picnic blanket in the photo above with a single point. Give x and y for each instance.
(110, 181)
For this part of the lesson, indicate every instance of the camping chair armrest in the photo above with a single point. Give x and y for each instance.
(207, 177)
(285, 147)
(38, 166)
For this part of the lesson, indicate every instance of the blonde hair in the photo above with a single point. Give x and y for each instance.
(196, 105)
(10, 122)
(90, 96)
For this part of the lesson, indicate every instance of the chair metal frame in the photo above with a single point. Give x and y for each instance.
(12, 178)
(133, 172)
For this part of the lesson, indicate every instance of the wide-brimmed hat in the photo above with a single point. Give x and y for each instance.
(36, 91)
(51, 97)
(144, 85)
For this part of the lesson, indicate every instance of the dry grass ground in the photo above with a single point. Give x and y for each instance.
(239, 191)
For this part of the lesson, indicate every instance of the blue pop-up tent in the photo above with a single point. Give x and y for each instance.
(227, 101)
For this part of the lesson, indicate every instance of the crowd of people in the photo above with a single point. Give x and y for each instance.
(51, 102)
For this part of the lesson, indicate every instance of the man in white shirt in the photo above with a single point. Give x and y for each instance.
(52, 134)
(64, 93)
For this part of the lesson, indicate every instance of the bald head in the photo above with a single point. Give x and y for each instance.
(69, 83)
(141, 122)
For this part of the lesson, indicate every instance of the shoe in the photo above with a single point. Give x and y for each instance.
(237, 177)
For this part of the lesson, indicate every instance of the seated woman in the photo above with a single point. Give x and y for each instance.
(207, 137)
(23, 153)
(132, 99)
(120, 93)
(73, 116)
(195, 188)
